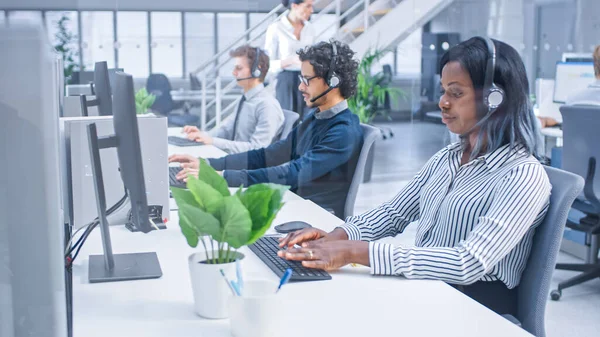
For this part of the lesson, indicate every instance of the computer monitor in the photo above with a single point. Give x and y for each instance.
(571, 77)
(131, 266)
(102, 89)
(129, 150)
(577, 57)
(32, 261)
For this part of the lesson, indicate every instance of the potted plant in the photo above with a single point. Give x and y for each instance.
(371, 91)
(209, 214)
(143, 101)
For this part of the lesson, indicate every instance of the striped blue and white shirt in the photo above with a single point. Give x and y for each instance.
(476, 221)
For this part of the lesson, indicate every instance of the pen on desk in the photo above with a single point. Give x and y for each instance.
(228, 283)
(236, 288)
(240, 278)
(284, 279)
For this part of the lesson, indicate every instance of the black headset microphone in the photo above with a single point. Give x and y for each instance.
(493, 95)
(254, 71)
(332, 80)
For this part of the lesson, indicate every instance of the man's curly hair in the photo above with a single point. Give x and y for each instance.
(319, 56)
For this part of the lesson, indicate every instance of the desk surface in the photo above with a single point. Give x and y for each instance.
(552, 132)
(202, 151)
(353, 303)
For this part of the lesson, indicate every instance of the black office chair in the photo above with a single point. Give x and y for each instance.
(160, 86)
(580, 155)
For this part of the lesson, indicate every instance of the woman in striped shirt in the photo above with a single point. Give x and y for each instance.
(477, 201)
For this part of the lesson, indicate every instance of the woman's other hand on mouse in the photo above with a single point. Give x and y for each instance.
(311, 234)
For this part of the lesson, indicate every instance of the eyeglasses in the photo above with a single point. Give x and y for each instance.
(306, 80)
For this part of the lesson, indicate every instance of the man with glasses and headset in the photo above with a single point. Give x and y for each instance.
(319, 156)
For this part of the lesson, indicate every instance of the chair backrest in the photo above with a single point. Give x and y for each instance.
(581, 139)
(535, 281)
(370, 134)
(160, 86)
(289, 120)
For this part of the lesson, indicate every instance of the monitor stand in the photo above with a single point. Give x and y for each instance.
(113, 267)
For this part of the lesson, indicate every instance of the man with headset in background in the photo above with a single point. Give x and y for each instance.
(258, 121)
(319, 156)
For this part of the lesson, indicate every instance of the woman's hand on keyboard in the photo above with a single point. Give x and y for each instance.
(305, 235)
(329, 255)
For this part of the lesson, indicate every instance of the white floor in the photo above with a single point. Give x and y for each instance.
(399, 158)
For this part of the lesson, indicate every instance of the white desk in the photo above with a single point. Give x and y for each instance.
(203, 151)
(353, 303)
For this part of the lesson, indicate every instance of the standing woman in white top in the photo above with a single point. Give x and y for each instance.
(284, 37)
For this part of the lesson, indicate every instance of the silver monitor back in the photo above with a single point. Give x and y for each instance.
(32, 264)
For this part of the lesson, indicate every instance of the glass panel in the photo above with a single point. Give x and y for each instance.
(24, 17)
(409, 54)
(199, 39)
(167, 56)
(97, 38)
(132, 37)
(231, 26)
(62, 28)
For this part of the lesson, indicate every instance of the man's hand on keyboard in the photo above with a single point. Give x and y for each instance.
(200, 137)
(185, 160)
(186, 172)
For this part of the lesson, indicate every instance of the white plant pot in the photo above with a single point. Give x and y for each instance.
(211, 292)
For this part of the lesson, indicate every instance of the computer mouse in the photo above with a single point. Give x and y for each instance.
(291, 226)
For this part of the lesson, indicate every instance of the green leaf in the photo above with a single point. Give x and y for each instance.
(208, 175)
(209, 199)
(183, 196)
(264, 202)
(201, 222)
(191, 235)
(236, 223)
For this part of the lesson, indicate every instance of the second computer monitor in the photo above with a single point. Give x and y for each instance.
(129, 150)
(570, 78)
(102, 89)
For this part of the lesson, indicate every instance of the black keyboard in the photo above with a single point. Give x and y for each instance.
(179, 141)
(173, 170)
(266, 249)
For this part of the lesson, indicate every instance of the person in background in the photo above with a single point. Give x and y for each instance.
(318, 158)
(591, 94)
(478, 202)
(283, 38)
(258, 120)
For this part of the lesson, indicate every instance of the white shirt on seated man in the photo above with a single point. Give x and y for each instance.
(258, 118)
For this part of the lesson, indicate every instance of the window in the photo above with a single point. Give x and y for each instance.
(132, 43)
(167, 55)
(34, 17)
(230, 27)
(2, 14)
(68, 32)
(199, 39)
(97, 40)
(255, 18)
(325, 26)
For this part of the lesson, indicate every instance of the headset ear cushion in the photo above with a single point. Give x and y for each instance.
(334, 81)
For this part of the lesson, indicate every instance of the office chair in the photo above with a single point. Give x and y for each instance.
(370, 133)
(535, 282)
(580, 155)
(160, 86)
(289, 121)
